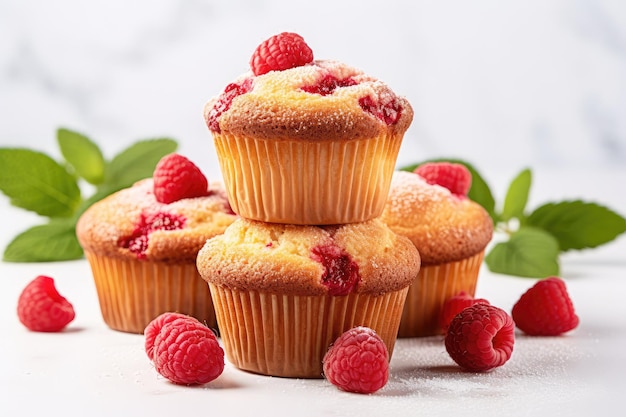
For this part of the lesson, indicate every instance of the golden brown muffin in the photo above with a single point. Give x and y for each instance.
(284, 293)
(142, 253)
(314, 144)
(450, 232)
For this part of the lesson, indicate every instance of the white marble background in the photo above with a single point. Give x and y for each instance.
(502, 84)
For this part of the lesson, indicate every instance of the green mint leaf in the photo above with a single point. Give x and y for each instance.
(410, 168)
(529, 253)
(45, 243)
(479, 192)
(137, 162)
(82, 154)
(578, 224)
(35, 182)
(517, 196)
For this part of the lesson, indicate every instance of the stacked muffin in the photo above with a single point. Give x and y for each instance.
(307, 149)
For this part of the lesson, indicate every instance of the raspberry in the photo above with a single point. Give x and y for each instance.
(545, 309)
(184, 350)
(455, 177)
(328, 85)
(389, 111)
(480, 338)
(341, 273)
(280, 52)
(176, 177)
(154, 327)
(224, 102)
(137, 242)
(358, 361)
(454, 305)
(41, 308)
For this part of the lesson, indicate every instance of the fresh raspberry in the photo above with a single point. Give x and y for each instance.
(545, 309)
(153, 329)
(389, 111)
(341, 273)
(41, 308)
(328, 85)
(280, 52)
(358, 361)
(184, 350)
(454, 305)
(137, 242)
(480, 338)
(224, 102)
(455, 177)
(176, 177)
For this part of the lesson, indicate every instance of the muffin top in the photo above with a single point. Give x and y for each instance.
(309, 260)
(445, 227)
(132, 224)
(306, 99)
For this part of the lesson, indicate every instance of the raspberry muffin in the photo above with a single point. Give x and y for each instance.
(306, 141)
(142, 242)
(450, 232)
(283, 293)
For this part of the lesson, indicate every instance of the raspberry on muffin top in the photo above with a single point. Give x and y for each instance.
(165, 218)
(289, 95)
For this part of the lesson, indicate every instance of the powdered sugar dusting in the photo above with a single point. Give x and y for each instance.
(288, 104)
(421, 370)
(109, 223)
(409, 190)
(441, 225)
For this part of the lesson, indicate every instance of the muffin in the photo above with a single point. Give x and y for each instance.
(312, 144)
(142, 253)
(450, 232)
(283, 293)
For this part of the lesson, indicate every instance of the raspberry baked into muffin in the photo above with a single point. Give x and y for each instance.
(142, 243)
(306, 141)
(283, 293)
(450, 232)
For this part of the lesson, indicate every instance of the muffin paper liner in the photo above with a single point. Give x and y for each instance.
(132, 293)
(306, 182)
(429, 291)
(288, 336)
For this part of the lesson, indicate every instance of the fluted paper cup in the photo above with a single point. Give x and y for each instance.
(307, 182)
(429, 291)
(132, 293)
(288, 335)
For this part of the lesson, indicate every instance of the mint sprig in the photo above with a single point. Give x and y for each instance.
(577, 224)
(534, 239)
(54, 241)
(83, 155)
(529, 252)
(35, 182)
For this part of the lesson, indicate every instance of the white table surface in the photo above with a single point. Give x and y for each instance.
(91, 370)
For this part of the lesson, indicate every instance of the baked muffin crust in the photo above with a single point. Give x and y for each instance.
(281, 258)
(444, 227)
(107, 223)
(278, 107)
